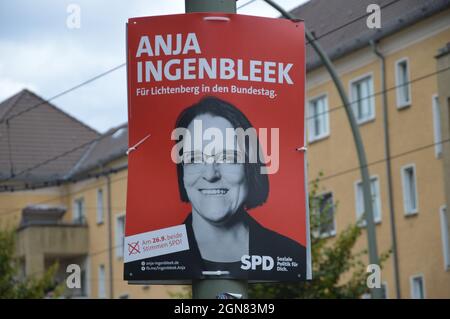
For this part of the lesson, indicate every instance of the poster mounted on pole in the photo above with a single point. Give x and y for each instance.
(216, 181)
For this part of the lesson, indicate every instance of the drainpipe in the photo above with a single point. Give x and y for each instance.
(387, 153)
(110, 246)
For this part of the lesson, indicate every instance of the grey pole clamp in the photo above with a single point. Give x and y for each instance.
(228, 295)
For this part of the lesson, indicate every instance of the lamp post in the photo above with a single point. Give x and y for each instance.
(371, 235)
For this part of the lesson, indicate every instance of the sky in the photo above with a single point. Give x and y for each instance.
(38, 51)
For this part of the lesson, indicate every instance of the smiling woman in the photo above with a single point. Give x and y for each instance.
(222, 184)
(216, 189)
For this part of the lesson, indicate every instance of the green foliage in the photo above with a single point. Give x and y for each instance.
(11, 287)
(337, 271)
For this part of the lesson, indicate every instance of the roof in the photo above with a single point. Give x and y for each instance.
(112, 145)
(36, 136)
(323, 16)
(7, 104)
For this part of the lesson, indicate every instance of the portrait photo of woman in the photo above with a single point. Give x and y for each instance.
(221, 179)
(222, 184)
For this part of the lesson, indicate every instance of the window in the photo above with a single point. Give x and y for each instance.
(83, 279)
(78, 211)
(99, 206)
(409, 189)
(384, 290)
(363, 100)
(318, 124)
(445, 237)
(376, 201)
(325, 209)
(101, 282)
(120, 235)
(437, 126)
(85, 283)
(402, 83)
(417, 287)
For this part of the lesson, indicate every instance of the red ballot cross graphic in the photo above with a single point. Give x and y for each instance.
(133, 248)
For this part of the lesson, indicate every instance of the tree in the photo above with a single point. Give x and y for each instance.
(338, 272)
(11, 287)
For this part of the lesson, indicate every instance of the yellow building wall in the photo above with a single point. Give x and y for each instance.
(99, 249)
(411, 128)
(12, 203)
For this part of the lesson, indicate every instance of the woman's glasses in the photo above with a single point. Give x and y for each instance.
(196, 160)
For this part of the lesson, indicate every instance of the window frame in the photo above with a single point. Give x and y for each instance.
(116, 236)
(100, 214)
(101, 292)
(363, 223)
(85, 282)
(445, 236)
(385, 285)
(326, 133)
(414, 211)
(81, 219)
(402, 104)
(352, 82)
(437, 133)
(411, 284)
(334, 231)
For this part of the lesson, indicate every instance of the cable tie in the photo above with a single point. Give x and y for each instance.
(215, 273)
(134, 148)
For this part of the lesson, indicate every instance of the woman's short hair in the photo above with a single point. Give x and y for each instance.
(257, 183)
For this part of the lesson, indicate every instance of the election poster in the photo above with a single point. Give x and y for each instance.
(216, 177)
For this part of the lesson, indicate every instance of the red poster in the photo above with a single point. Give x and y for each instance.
(216, 185)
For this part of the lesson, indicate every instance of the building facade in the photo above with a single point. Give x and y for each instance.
(404, 127)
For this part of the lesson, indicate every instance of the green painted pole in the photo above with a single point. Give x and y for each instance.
(371, 235)
(211, 288)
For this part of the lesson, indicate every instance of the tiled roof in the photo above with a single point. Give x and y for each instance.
(37, 136)
(111, 146)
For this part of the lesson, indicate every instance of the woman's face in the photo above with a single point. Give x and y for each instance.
(215, 190)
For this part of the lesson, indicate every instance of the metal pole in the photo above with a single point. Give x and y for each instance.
(226, 6)
(211, 288)
(371, 236)
(387, 152)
